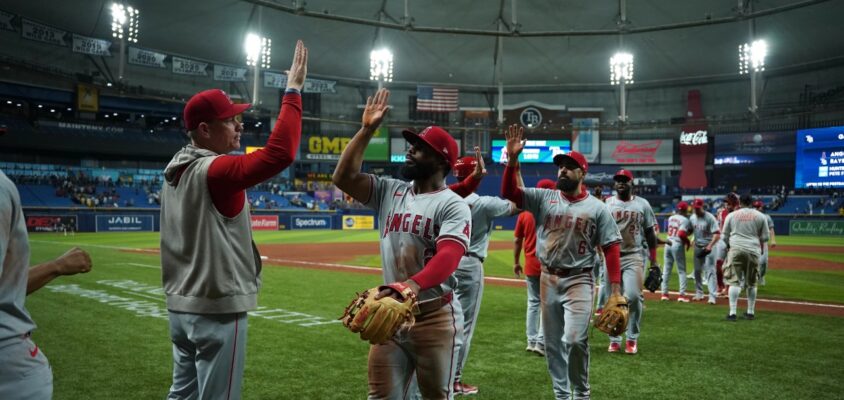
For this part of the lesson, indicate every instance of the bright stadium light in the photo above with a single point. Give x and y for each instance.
(381, 65)
(752, 56)
(124, 22)
(258, 50)
(621, 68)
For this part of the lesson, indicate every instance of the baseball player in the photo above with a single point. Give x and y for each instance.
(679, 228)
(745, 231)
(731, 202)
(635, 219)
(525, 238)
(470, 272)
(571, 224)
(425, 231)
(210, 267)
(707, 235)
(763, 261)
(24, 370)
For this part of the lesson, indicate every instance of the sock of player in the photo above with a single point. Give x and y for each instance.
(751, 300)
(734, 293)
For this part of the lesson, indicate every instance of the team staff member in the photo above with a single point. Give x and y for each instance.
(679, 228)
(707, 235)
(745, 231)
(525, 238)
(572, 224)
(211, 270)
(425, 229)
(636, 220)
(24, 370)
(763, 261)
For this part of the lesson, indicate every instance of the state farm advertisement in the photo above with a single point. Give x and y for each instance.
(265, 222)
(657, 151)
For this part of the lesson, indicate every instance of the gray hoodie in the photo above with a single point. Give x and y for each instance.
(209, 264)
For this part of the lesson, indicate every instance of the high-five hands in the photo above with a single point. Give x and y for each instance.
(299, 69)
(515, 137)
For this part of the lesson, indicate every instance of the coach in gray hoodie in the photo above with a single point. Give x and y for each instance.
(211, 270)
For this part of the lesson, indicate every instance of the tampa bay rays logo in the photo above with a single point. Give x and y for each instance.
(531, 117)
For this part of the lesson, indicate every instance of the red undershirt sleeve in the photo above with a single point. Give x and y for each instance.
(652, 254)
(439, 267)
(509, 189)
(612, 254)
(466, 186)
(230, 176)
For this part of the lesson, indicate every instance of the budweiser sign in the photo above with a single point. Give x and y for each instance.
(637, 152)
(693, 138)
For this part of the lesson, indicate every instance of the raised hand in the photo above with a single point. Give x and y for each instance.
(376, 109)
(480, 168)
(515, 137)
(299, 69)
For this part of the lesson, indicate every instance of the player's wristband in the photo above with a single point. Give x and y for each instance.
(401, 288)
(292, 90)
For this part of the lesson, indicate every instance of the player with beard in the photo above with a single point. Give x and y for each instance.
(571, 224)
(424, 231)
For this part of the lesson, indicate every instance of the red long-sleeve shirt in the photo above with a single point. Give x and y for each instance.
(230, 176)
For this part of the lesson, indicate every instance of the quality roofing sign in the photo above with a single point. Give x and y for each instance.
(656, 151)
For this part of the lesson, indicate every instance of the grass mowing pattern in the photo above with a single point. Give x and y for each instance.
(99, 351)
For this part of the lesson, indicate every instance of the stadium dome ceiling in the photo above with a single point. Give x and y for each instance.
(558, 43)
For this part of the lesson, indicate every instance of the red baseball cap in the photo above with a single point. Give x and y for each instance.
(624, 173)
(465, 166)
(209, 105)
(436, 138)
(758, 204)
(577, 157)
(546, 184)
(698, 203)
(682, 205)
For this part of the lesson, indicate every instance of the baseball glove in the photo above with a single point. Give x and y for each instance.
(702, 252)
(613, 321)
(378, 320)
(654, 279)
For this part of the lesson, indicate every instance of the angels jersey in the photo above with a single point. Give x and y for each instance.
(746, 229)
(677, 223)
(484, 209)
(633, 217)
(705, 227)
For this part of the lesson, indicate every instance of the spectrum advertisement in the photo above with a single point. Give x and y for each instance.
(819, 161)
(535, 151)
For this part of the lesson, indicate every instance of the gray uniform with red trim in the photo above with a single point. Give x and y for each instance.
(470, 271)
(675, 252)
(411, 225)
(763, 261)
(24, 370)
(567, 234)
(633, 217)
(705, 228)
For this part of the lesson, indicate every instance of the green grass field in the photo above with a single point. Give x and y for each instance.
(118, 347)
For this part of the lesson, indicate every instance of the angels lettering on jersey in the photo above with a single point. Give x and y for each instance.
(413, 224)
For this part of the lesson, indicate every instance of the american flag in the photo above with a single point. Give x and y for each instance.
(436, 98)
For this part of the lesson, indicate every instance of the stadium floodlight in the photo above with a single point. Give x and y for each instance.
(621, 68)
(258, 50)
(124, 22)
(752, 56)
(381, 65)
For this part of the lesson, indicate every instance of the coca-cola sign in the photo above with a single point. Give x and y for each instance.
(693, 138)
(637, 152)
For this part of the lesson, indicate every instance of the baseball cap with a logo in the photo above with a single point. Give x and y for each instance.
(623, 173)
(682, 206)
(577, 157)
(209, 105)
(698, 203)
(436, 138)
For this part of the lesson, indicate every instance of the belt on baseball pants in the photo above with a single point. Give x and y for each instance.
(627, 253)
(431, 305)
(473, 255)
(567, 272)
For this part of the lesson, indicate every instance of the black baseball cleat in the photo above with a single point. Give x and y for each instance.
(732, 318)
(749, 316)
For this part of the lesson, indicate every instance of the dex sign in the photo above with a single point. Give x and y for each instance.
(693, 138)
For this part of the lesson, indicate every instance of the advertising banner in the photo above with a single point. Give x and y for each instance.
(229, 74)
(39, 32)
(279, 81)
(694, 145)
(51, 223)
(310, 222)
(820, 158)
(124, 223)
(356, 222)
(816, 228)
(184, 66)
(147, 58)
(535, 151)
(326, 148)
(585, 137)
(657, 151)
(89, 45)
(754, 148)
(265, 222)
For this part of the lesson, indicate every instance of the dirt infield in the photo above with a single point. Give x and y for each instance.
(333, 256)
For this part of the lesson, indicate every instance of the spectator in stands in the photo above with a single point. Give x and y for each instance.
(211, 268)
